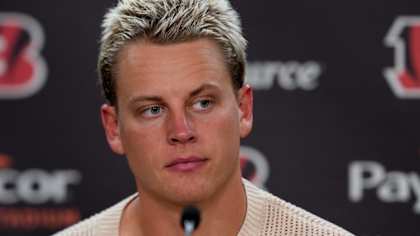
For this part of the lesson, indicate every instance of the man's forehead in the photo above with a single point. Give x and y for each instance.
(141, 49)
(153, 68)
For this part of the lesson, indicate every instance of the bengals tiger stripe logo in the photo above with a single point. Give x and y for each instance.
(254, 166)
(404, 37)
(23, 71)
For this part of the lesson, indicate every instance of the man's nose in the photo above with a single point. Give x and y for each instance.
(181, 129)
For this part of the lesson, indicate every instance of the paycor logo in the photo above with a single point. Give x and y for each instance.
(289, 76)
(390, 186)
(36, 186)
(35, 198)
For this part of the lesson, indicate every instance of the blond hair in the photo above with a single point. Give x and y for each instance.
(170, 21)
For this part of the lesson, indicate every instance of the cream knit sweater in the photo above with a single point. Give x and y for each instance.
(266, 215)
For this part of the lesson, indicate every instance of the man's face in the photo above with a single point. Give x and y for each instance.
(179, 120)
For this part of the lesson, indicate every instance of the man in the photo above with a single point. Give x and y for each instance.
(172, 72)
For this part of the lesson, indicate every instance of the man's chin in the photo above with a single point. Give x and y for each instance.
(190, 194)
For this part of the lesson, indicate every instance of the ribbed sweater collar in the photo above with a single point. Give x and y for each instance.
(110, 222)
(255, 211)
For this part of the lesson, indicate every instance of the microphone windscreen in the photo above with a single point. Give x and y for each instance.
(191, 214)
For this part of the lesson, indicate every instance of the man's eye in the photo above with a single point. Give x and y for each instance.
(202, 105)
(152, 111)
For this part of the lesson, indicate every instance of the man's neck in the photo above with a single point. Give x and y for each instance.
(224, 212)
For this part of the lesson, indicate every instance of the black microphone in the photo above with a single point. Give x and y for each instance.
(190, 219)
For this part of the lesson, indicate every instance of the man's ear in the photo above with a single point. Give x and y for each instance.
(245, 99)
(112, 131)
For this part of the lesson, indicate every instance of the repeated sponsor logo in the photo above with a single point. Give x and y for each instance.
(404, 76)
(289, 76)
(371, 177)
(36, 198)
(23, 71)
(254, 166)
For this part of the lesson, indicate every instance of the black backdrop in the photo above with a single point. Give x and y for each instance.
(336, 119)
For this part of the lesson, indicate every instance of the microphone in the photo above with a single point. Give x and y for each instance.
(190, 219)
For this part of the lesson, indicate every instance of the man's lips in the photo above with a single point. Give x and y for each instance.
(186, 164)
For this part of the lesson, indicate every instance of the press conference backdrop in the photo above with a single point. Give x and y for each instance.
(337, 113)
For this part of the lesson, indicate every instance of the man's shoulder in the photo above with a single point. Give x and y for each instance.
(279, 217)
(85, 227)
(103, 223)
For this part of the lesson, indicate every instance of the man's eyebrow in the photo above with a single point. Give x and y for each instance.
(203, 87)
(195, 92)
(145, 99)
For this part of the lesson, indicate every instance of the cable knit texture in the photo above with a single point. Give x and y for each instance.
(267, 215)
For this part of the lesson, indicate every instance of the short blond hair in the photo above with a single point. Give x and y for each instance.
(170, 21)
